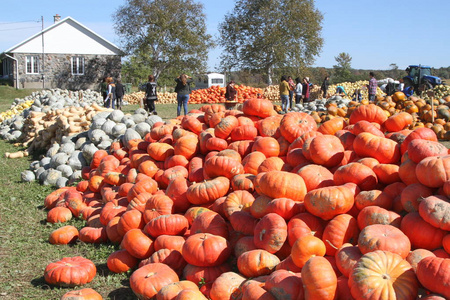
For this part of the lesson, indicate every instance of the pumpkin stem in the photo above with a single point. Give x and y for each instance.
(329, 243)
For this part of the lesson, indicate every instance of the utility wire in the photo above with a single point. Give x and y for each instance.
(20, 28)
(5, 23)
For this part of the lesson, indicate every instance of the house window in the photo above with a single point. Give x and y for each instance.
(77, 65)
(217, 81)
(32, 64)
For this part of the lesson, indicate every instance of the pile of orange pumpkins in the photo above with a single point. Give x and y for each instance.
(216, 94)
(424, 114)
(229, 204)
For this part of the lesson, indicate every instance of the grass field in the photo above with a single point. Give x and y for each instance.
(24, 247)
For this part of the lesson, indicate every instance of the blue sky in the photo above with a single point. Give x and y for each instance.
(374, 33)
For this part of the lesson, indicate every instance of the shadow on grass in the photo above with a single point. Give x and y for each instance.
(102, 270)
(39, 282)
(123, 293)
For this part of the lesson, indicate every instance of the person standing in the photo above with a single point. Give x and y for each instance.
(357, 95)
(291, 90)
(104, 88)
(151, 95)
(372, 87)
(284, 93)
(298, 91)
(390, 87)
(120, 92)
(305, 90)
(110, 93)
(230, 92)
(183, 90)
(324, 87)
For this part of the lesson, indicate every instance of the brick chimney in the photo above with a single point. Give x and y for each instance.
(56, 18)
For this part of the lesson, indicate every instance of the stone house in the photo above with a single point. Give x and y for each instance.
(65, 55)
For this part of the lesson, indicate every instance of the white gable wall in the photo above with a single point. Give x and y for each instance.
(68, 37)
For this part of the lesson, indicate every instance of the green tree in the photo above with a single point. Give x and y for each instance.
(163, 36)
(271, 35)
(342, 69)
(394, 71)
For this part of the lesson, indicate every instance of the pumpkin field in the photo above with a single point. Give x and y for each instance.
(335, 199)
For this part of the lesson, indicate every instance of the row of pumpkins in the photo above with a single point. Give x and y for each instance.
(420, 108)
(216, 94)
(213, 94)
(228, 204)
(424, 113)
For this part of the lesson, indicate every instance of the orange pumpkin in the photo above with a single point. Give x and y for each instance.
(319, 279)
(280, 184)
(149, 279)
(306, 247)
(328, 202)
(295, 124)
(384, 237)
(384, 150)
(383, 275)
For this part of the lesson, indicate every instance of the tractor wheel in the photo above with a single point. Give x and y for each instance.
(428, 85)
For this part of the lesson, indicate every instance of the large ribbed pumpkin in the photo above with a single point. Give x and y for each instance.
(206, 250)
(383, 275)
(326, 150)
(149, 279)
(435, 210)
(418, 149)
(386, 151)
(295, 124)
(330, 201)
(208, 190)
(433, 274)
(280, 184)
(316, 176)
(70, 272)
(370, 113)
(384, 237)
(257, 262)
(433, 171)
(258, 107)
(420, 233)
(363, 176)
(270, 233)
(398, 122)
(319, 279)
(419, 133)
(222, 166)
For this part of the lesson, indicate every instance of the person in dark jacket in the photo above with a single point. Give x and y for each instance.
(151, 95)
(104, 88)
(390, 87)
(324, 87)
(230, 92)
(183, 90)
(120, 92)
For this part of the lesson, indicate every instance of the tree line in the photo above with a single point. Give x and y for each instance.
(261, 40)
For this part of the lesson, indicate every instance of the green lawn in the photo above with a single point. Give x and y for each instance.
(8, 94)
(24, 247)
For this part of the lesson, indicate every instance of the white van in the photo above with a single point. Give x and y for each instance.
(204, 81)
